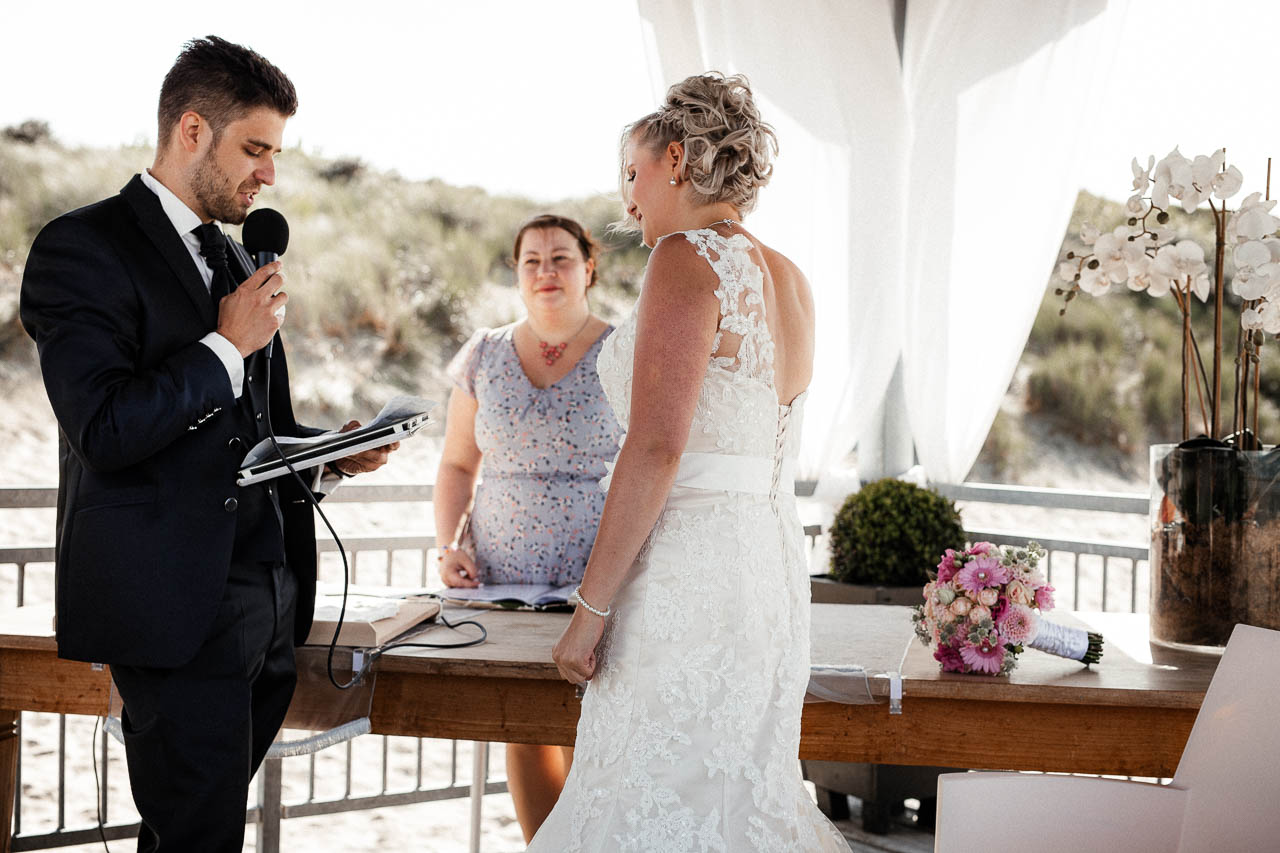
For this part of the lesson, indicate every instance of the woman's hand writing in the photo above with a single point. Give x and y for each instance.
(458, 569)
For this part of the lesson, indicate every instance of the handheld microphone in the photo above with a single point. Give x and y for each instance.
(266, 236)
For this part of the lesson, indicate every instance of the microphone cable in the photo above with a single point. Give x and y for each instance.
(342, 551)
(97, 790)
(346, 571)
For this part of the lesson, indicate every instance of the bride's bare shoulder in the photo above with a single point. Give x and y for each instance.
(787, 277)
(676, 261)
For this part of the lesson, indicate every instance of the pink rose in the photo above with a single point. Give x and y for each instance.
(1018, 592)
(949, 565)
(989, 596)
(1044, 597)
(949, 657)
(978, 613)
(961, 606)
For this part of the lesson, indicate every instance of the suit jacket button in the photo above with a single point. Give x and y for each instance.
(231, 504)
(234, 443)
(258, 416)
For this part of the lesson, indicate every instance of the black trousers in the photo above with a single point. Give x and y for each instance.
(195, 735)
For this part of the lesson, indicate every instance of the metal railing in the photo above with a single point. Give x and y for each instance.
(276, 774)
(1087, 562)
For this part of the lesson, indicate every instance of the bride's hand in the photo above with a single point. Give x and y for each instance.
(575, 651)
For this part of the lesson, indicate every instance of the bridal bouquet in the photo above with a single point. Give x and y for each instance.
(984, 606)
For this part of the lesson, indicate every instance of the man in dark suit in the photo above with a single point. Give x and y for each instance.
(194, 589)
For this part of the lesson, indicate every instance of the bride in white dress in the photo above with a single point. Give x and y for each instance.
(693, 624)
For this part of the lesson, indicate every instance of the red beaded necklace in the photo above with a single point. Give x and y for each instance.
(551, 352)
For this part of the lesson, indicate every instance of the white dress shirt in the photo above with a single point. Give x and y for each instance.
(185, 221)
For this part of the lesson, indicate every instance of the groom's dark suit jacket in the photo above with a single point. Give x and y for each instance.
(151, 436)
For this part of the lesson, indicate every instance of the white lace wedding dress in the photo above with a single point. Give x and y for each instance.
(690, 727)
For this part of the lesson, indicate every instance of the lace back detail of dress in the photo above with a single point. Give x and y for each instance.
(737, 410)
(741, 295)
(779, 453)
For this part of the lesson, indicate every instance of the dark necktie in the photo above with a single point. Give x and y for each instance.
(213, 247)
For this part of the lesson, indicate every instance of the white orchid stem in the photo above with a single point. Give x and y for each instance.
(1186, 357)
(1257, 389)
(1191, 362)
(1219, 231)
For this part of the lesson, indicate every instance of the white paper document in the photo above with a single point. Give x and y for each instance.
(511, 594)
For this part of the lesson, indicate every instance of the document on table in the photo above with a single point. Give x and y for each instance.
(535, 595)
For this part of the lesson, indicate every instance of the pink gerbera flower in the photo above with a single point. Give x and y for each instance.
(980, 573)
(1044, 597)
(987, 655)
(1017, 624)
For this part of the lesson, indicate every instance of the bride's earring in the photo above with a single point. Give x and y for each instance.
(672, 181)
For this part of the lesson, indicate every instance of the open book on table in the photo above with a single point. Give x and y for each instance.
(539, 596)
(368, 621)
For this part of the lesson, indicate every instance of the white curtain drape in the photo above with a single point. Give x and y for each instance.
(927, 201)
(994, 173)
(926, 198)
(827, 77)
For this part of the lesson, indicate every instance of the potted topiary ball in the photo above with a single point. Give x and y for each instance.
(885, 540)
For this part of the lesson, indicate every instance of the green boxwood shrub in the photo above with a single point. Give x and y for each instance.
(892, 533)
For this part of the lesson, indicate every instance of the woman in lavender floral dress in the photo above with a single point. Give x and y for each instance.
(527, 409)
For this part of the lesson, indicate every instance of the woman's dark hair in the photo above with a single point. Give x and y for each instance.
(221, 81)
(586, 243)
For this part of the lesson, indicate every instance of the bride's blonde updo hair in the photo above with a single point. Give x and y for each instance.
(727, 147)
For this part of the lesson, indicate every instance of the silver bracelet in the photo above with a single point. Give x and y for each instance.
(577, 596)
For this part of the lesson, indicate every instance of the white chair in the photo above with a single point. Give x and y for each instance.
(1225, 795)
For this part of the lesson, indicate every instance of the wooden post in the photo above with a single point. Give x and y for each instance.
(9, 748)
(270, 778)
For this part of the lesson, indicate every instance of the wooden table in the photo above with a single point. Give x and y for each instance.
(1129, 715)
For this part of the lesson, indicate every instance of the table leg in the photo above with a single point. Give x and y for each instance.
(9, 747)
(479, 776)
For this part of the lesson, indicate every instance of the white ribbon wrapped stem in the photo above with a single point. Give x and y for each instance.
(1061, 640)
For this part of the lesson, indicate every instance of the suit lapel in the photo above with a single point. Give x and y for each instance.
(160, 231)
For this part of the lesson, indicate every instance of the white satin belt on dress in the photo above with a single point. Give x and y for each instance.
(723, 472)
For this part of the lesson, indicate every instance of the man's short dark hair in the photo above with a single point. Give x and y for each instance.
(222, 82)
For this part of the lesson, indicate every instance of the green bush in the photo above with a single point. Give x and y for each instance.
(1086, 396)
(1088, 320)
(892, 533)
(1005, 450)
(1161, 395)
